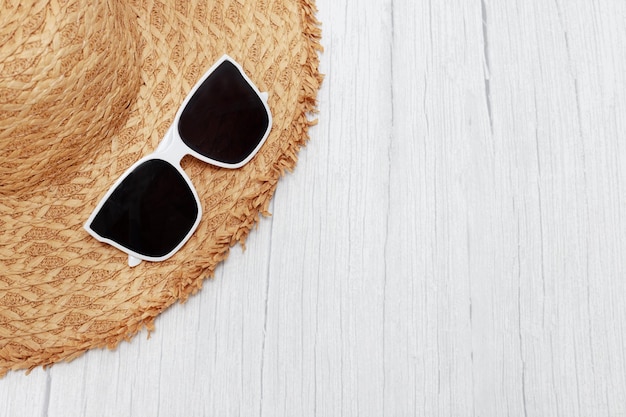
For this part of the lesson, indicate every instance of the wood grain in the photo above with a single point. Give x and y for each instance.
(450, 244)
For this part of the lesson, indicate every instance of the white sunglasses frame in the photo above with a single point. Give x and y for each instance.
(172, 149)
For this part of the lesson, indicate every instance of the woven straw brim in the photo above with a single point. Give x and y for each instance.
(61, 291)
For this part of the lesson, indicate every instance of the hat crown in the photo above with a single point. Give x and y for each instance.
(68, 72)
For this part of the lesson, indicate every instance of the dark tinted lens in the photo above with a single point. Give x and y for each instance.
(225, 119)
(150, 212)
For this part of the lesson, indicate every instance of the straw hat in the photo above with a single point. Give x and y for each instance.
(87, 89)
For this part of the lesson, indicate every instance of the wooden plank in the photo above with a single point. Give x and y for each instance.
(324, 341)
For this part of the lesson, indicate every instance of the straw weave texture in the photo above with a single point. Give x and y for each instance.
(88, 88)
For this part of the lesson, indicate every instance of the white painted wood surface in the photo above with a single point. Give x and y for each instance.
(451, 243)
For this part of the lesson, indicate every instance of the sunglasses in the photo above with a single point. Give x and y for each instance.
(153, 208)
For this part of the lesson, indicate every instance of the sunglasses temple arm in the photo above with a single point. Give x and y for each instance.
(132, 261)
